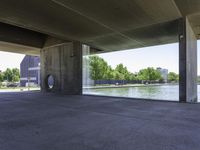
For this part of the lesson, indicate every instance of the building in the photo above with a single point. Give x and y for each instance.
(30, 71)
(164, 73)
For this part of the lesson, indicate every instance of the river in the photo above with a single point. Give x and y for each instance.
(161, 92)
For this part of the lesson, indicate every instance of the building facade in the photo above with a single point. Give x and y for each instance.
(30, 71)
(164, 73)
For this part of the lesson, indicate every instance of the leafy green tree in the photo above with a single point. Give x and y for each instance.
(118, 75)
(173, 77)
(98, 68)
(109, 74)
(198, 79)
(15, 78)
(8, 75)
(149, 74)
(15, 75)
(132, 76)
(11, 75)
(1, 77)
(122, 72)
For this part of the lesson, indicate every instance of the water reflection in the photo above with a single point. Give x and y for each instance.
(164, 92)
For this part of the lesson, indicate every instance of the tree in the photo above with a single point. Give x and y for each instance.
(149, 74)
(11, 75)
(173, 77)
(109, 74)
(8, 75)
(118, 75)
(15, 75)
(198, 79)
(132, 76)
(122, 72)
(98, 68)
(1, 77)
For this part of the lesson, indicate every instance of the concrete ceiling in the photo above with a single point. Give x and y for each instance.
(191, 8)
(108, 25)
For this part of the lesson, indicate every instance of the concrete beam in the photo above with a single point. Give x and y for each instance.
(18, 48)
(19, 40)
(64, 62)
(187, 62)
(17, 35)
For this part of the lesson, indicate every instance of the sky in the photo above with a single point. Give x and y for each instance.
(10, 60)
(164, 56)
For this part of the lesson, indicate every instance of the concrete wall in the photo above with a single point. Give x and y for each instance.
(187, 63)
(64, 62)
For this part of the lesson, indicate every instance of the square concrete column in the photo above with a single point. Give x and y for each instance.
(62, 61)
(187, 62)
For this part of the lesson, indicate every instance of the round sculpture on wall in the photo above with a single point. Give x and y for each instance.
(50, 82)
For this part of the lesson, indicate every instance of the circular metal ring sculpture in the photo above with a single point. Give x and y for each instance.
(50, 82)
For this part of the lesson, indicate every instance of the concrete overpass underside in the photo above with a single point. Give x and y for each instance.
(107, 25)
(55, 30)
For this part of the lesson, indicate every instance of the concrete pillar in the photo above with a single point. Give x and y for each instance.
(187, 62)
(62, 60)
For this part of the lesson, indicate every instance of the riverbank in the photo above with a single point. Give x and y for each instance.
(126, 85)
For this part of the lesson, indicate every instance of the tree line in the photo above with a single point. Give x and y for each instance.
(100, 70)
(10, 75)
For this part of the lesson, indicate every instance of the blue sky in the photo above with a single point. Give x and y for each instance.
(10, 60)
(165, 56)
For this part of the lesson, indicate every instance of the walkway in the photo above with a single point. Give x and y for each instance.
(34, 121)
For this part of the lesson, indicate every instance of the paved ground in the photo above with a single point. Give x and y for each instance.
(54, 122)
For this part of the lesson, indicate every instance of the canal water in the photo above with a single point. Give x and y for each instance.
(161, 92)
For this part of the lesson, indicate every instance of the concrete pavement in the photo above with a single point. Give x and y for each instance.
(36, 121)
